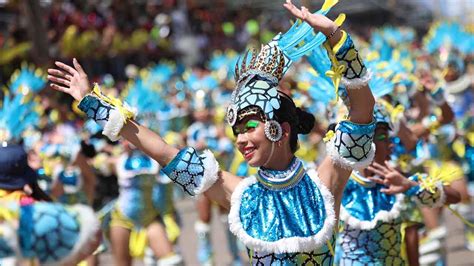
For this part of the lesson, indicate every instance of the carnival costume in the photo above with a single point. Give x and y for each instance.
(371, 219)
(282, 217)
(43, 231)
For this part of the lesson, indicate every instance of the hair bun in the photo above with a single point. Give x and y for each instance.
(305, 121)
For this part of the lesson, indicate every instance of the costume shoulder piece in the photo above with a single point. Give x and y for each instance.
(363, 205)
(136, 164)
(298, 213)
(48, 232)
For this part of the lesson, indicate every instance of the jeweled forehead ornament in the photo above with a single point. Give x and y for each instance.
(257, 83)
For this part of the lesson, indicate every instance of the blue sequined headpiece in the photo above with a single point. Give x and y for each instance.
(258, 80)
(381, 115)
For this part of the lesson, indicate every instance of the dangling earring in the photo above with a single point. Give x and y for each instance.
(273, 130)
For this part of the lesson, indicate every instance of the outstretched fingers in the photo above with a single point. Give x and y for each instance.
(66, 68)
(293, 9)
(377, 180)
(59, 80)
(60, 88)
(78, 67)
(376, 171)
(380, 167)
(388, 191)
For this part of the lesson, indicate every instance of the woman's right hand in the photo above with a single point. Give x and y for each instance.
(71, 80)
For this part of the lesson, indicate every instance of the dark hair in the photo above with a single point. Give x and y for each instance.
(301, 122)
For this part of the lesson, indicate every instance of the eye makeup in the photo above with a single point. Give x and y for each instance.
(381, 137)
(251, 124)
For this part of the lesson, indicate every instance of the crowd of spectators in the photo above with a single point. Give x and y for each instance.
(106, 36)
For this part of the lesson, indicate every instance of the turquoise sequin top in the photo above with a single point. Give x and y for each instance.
(142, 197)
(284, 217)
(371, 225)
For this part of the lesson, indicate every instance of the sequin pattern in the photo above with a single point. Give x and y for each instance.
(354, 142)
(53, 233)
(322, 256)
(186, 169)
(379, 246)
(96, 109)
(350, 58)
(427, 198)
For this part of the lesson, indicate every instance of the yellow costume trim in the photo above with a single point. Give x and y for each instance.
(336, 69)
(138, 242)
(172, 228)
(339, 44)
(14, 196)
(8, 214)
(331, 250)
(359, 180)
(329, 135)
(457, 214)
(127, 114)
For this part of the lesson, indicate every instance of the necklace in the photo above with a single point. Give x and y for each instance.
(277, 180)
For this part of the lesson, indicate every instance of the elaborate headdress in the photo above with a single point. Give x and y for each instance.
(18, 110)
(257, 80)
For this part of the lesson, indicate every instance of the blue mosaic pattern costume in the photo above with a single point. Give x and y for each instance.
(297, 223)
(371, 225)
(48, 232)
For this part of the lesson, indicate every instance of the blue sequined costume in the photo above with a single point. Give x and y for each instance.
(142, 198)
(284, 217)
(371, 225)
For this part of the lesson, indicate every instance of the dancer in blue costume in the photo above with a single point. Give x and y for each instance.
(370, 211)
(143, 203)
(285, 215)
(30, 230)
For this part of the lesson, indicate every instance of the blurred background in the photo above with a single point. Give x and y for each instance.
(108, 35)
(117, 41)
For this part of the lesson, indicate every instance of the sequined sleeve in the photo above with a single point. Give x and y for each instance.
(355, 72)
(428, 193)
(351, 145)
(110, 113)
(193, 172)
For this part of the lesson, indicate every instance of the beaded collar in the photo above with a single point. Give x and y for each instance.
(356, 176)
(279, 180)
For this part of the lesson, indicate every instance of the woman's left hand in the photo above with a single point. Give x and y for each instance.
(391, 178)
(317, 21)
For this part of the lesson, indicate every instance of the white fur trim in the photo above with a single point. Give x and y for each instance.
(115, 123)
(89, 227)
(10, 236)
(211, 172)
(286, 245)
(345, 163)
(381, 216)
(202, 227)
(358, 82)
(459, 85)
(173, 260)
(440, 202)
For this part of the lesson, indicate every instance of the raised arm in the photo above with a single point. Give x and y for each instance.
(202, 173)
(336, 168)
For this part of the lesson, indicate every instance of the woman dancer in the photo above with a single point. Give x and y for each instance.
(371, 213)
(285, 214)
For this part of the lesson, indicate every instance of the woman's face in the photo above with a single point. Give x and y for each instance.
(251, 140)
(383, 144)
